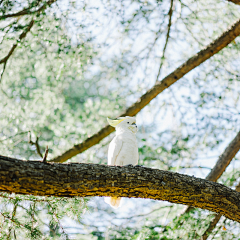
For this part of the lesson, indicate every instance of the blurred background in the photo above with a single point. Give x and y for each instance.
(83, 61)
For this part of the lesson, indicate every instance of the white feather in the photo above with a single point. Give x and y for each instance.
(123, 149)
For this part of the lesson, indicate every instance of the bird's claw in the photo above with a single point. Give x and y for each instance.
(129, 165)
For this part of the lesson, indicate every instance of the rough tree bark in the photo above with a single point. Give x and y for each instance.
(78, 179)
(213, 48)
(222, 163)
(215, 221)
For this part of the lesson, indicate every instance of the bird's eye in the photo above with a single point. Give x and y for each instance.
(128, 122)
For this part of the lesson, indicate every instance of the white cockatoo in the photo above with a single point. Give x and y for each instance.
(123, 149)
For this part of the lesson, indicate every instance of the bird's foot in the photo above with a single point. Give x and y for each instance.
(129, 165)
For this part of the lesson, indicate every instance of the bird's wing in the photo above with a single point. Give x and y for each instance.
(114, 150)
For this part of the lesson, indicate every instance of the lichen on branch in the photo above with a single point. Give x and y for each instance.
(85, 180)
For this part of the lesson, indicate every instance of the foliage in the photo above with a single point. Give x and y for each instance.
(83, 61)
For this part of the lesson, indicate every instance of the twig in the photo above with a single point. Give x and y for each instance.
(12, 219)
(13, 215)
(4, 67)
(35, 143)
(145, 214)
(57, 220)
(27, 199)
(45, 155)
(13, 136)
(167, 37)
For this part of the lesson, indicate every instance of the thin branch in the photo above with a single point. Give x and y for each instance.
(167, 37)
(24, 33)
(211, 226)
(13, 136)
(58, 221)
(12, 219)
(35, 143)
(45, 155)
(213, 48)
(22, 36)
(3, 70)
(29, 199)
(27, 11)
(144, 214)
(13, 216)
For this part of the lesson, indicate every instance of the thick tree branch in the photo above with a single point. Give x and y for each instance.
(214, 222)
(85, 180)
(159, 87)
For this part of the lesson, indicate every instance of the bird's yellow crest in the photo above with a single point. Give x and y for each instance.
(114, 123)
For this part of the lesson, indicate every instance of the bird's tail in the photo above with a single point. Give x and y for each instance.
(113, 201)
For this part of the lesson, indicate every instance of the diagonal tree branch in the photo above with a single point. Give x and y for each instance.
(22, 12)
(85, 180)
(222, 163)
(235, 1)
(211, 226)
(22, 36)
(159, 87)
(216, 172)
(24, 33)
(27, 11)
(225, 159)
(215, 220)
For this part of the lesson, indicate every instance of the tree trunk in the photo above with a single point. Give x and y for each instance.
(85, 180)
